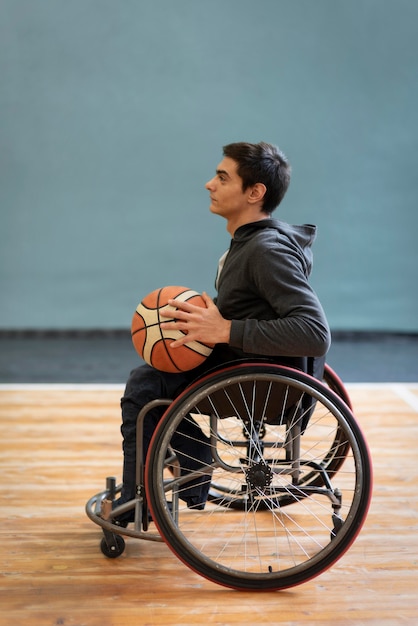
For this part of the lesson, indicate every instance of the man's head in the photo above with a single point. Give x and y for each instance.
(261, 163)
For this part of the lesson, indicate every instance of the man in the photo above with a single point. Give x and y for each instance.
(264, 305)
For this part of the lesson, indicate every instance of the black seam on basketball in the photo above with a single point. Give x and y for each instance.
(158, 313)
(158, 300)
(192, 350)
(166, 352)
(148, 308)
(169, 356)
(149, 326)
(183, 346)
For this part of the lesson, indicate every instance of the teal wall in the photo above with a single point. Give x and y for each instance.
(112, 118)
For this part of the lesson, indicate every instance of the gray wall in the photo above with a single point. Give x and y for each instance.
(112, 118)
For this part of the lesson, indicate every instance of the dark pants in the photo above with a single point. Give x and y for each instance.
(146, 384)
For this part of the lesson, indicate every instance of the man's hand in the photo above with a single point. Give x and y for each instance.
(199, 324)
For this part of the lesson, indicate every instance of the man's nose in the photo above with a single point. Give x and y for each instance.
(209, 184)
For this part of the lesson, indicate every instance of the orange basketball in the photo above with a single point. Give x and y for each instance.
(153, 343)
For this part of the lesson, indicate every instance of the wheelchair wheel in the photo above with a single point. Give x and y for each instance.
(113, 547)
(339, 448)
(331, 462)
(336, 385)
(266, 427)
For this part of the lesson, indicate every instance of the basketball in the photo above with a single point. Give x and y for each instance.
(152, 343)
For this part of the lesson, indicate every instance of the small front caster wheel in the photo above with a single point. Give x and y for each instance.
(113, 548)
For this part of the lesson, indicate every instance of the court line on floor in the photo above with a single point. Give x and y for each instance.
(406, 394)
(62, 387)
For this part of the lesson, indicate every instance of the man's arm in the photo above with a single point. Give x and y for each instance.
(297, 324)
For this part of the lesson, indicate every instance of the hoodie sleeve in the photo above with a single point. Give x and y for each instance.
(296, 324)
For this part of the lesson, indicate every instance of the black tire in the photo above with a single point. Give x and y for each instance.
(264, 545)
(336, 385)
(113, 546)
(339, 448)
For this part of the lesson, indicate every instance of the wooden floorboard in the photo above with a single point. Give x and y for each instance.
(59, 444)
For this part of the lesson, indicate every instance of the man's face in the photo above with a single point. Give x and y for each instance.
(226, 194)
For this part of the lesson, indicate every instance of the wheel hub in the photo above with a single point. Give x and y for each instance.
(259, 476)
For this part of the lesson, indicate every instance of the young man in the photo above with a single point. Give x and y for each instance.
(264, 305)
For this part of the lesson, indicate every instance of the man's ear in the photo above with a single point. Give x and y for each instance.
(257, 193)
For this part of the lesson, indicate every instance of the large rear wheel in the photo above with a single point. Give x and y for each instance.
(295, 517)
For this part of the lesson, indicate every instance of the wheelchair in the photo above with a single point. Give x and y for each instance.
(288, 478)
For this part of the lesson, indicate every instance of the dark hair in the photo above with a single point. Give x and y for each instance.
(261, 163)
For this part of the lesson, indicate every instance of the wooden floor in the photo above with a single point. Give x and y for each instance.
(57, 446)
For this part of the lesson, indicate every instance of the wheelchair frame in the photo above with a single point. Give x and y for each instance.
(275, 515)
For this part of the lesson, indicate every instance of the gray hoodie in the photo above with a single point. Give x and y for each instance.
(263, 288)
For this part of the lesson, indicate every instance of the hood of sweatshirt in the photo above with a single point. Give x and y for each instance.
(298, 237)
